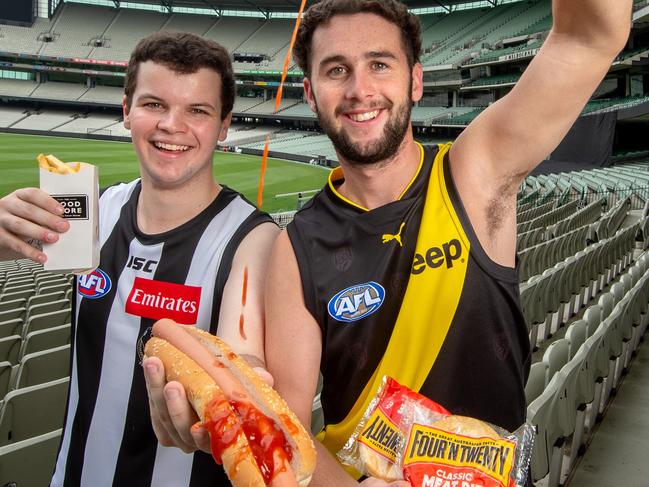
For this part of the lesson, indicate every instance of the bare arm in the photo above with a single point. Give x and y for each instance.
(242, 326)
(172, 416)
(29, 214)
(293, 352)
(503, 144)
(293, 339)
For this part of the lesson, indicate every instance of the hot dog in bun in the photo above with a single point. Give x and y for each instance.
(253, 433)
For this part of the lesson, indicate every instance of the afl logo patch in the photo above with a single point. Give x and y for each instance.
(94, 285)
(356, 302)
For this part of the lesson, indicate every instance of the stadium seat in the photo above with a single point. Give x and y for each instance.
(637, 308)
(13, 314)
(11, 294)
(635, 273)
(643, 305)
(5, 379)
(613, 342)
(45, 298)
(536, 381)
(11, 327)
(13, 304)
(40, 340)
(33, 411)
(606, 303)
(590, 382)
(576, 336)
(552, 303)
(29, 462)
(626, 329)
(44, 366)
(617, 290)
(571, 404)
(18, 281)
(10, 349)
(47, 279)
(47, 320)
(627, 282)
(556, 356)
(534, 307)
(39, 309)
(541, 413)
(593, 317)
(53, 286)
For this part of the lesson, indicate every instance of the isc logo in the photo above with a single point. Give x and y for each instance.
(94, 285)
(140, 263)
(356, 302)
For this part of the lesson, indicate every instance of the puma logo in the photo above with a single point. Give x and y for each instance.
(387, 237)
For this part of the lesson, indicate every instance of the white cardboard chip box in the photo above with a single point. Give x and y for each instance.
(77, 250)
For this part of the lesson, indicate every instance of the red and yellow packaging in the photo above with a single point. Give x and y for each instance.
(404, 435)
(435, 456)
(373, 447)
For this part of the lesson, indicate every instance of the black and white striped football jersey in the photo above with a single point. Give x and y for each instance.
(180, 274)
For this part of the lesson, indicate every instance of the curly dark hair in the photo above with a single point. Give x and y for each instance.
(183, 53)
(391, 10)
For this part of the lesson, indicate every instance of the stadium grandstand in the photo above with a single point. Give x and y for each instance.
(583, 215)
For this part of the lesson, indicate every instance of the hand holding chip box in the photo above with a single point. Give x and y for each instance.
(75, 186)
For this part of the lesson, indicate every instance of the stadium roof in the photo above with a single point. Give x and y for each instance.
(283, 6)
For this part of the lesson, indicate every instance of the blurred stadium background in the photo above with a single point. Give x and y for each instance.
(582, 216)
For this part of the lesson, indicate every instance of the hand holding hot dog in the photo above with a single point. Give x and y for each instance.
(174, 421)
(253, 433)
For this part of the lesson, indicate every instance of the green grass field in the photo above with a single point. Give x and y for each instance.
(117, 162)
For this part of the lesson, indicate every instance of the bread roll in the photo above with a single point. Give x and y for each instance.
(228, 395)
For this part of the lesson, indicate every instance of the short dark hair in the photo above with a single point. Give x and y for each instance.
(183, 53)
(391, 10)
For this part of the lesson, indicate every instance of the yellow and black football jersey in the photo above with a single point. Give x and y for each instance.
(406, 290)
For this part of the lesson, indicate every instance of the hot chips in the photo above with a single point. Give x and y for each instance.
(75, 185)
(53, 164)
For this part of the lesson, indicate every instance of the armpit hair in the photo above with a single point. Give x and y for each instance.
(503, 201)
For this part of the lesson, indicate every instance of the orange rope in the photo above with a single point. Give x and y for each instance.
(287, 61)
(278, 99)
(262, 173)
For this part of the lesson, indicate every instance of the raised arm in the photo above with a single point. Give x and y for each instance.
(506, 141)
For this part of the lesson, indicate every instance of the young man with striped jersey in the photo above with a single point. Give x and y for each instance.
(174, 243)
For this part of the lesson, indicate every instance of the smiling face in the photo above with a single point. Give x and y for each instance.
(175, 123)
(362, 87)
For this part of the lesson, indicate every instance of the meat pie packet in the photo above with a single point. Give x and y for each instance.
(458, 451)
(373, 447)
(76, 186)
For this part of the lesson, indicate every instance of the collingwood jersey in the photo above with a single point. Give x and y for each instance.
(180, 274)
(459, 338)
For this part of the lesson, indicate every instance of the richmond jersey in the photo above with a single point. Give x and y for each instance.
(355, 267)
(180, 274)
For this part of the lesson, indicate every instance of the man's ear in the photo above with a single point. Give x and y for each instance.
(310, 97)
(417, 82)
(225, 125)
(125, 111)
